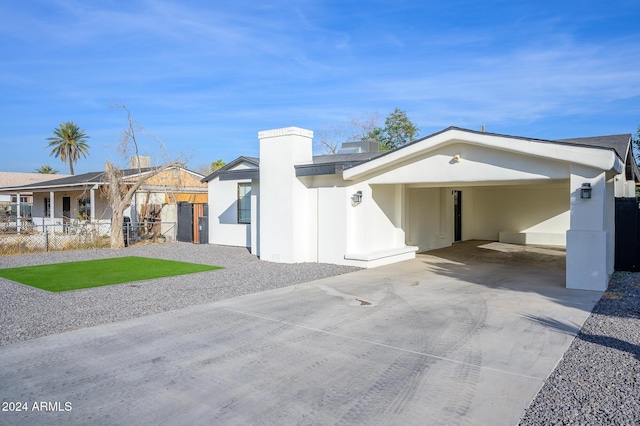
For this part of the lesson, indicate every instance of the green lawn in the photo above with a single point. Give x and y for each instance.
(95, 273)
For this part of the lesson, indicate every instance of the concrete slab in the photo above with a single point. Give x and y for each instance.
(465, 335)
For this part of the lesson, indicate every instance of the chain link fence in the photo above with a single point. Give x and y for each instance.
(24, 236)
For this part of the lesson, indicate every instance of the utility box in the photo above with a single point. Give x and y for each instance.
(203, 226)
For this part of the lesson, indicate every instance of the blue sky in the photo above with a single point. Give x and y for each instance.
(205, 76)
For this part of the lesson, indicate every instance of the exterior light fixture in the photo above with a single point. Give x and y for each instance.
(585, 191)
(356, 198)
(456, 158)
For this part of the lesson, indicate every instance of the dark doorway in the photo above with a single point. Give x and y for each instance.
(627, 234)
(457, 215)
(66, 210)
(185, 222)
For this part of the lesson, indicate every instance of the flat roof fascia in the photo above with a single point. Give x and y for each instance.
(239, 174)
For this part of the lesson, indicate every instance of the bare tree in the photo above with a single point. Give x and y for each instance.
(331, 136)
(119, 189)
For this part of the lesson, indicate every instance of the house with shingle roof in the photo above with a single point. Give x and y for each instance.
(368, 208)
(12, 179)
(81, 197)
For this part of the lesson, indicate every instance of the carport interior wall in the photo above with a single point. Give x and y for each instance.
(538, 214)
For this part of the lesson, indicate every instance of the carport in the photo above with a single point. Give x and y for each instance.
(369, 209)
(460, 185)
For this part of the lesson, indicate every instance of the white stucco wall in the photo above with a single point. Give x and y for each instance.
(477, 164)
(430, 216)
(224, 228)
(590, 249)
(332, 232)
(425, 219)
(532, 209)
(376, 223)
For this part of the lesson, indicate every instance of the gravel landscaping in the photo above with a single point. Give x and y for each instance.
(27, 312)
(598, 380)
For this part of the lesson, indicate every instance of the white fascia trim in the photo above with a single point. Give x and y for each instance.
(602, 159)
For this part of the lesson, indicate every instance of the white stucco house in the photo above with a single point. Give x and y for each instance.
(369, 208)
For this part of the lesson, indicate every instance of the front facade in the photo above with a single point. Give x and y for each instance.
(81, 198)
(370, 209)
(12, 201)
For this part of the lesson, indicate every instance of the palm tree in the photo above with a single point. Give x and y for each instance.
(218, 164)
(69, 143)
(46, 170)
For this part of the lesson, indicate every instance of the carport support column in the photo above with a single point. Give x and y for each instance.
(588, 243)
(283, 225)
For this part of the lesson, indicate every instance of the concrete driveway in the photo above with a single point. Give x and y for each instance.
(464, 335)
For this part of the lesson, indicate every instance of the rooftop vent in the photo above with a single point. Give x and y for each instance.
(358, 147)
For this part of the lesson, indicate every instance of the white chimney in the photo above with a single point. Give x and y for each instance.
(283, 198)
(139, 161)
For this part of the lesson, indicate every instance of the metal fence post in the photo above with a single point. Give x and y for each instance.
(46, 237)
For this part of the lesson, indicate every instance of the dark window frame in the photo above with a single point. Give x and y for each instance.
(244, 203)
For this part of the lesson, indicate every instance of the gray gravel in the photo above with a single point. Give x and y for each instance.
(598, 380)
(27, 312)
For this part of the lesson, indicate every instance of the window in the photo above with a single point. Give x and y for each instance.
(47, 207)
(244, 203)
(84, 208)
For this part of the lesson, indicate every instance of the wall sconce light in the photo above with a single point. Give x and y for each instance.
(457, 158)
(585, 191)
(356, 198)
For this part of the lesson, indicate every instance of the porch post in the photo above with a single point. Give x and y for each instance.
(93, 203)
(588, 243)
(18, 213)
(51, 206)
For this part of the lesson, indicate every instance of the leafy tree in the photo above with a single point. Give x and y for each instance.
(46, 169)
(69, 143)
(398, 130)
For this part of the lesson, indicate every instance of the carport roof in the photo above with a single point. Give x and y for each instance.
(606, 157)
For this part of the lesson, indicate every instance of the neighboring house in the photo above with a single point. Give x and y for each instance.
(81, 197)
(13, 179)
(373, 208)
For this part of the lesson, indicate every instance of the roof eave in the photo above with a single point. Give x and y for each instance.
(604, 159)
